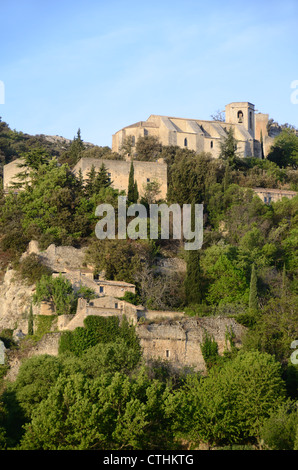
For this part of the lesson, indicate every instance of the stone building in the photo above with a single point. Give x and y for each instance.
(269, 195)
(179, 341)
(102, 287)
(250, 129)
(118, 171)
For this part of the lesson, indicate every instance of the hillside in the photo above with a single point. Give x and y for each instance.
(245, 275)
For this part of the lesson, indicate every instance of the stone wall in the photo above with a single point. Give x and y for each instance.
(269, 195)
(179, 341)
(49, 344)
(118, 170)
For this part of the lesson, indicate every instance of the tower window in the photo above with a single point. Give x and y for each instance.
(185, 142)
(211, 144)
(167, 353)
(240, 116)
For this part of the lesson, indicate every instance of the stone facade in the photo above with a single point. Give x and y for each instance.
(273, 195)
(179, 342)
(118, 170)
(201, 135)
(101, 287)
(144, 173)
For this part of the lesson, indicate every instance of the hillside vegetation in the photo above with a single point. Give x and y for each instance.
(98, 394)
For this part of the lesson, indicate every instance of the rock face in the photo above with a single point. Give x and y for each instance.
(15, 300)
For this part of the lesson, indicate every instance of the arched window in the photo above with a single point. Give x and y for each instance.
(240, 116)
(185, 142)
(211, 144)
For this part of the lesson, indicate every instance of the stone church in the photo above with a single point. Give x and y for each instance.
(250, 131)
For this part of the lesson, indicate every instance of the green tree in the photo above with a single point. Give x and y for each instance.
(228, 148)
(74, 153)
(280, 430)
(132, 192)
(148, 148)
(253, 290)
(34, 380)
(284, 151)
(112, 412)
(231, 404)
(30, 321)
(57, 290)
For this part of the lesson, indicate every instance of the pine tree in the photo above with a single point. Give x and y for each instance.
(75, 150)
(253, 290)
(228, 148)
(91, 176)
(102, 179)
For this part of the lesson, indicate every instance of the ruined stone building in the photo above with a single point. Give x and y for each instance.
(250, 129)
(118, 172)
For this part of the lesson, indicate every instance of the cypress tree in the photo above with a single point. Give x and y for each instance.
(30, 321)
(136, 192)
(132, 189)
(253, 290)
(192, 283)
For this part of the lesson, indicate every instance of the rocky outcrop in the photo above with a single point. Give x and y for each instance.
(15, 300)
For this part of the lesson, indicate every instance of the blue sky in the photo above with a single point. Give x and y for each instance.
(101, 65)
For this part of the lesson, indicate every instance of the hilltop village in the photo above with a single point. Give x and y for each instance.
(64, 292)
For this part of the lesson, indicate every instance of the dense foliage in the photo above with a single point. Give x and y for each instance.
(98, 394)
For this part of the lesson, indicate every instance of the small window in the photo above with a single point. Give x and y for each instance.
(240, 116)
(100, 289)
(116, 305)
(148, 180)
(167, 353)
(211, 144)
(185, 142)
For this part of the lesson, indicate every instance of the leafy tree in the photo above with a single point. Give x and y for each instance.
(151, 192)
(284, 151)
(280, 430)
(148, 148)
(35, 377)
(110, 412)
(57, 290)
(231, 404)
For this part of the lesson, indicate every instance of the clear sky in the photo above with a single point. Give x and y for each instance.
(100, 65)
